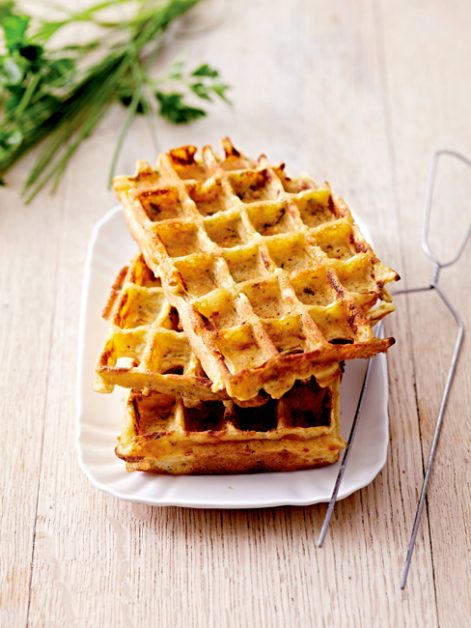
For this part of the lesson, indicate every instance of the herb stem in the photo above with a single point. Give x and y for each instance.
(57, 97)
(28, 94)
(127, 124)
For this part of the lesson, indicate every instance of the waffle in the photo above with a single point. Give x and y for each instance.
(147, 349)
(298, 431)
(270, 275)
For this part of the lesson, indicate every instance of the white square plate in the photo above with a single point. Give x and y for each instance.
(100, 416)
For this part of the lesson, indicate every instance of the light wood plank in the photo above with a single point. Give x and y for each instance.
(28, 285)
(346, 92)
(429, 101)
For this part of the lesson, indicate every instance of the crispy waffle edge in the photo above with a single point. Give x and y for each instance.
(275, 375)
(226, 450)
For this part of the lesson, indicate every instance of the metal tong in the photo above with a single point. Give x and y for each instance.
(437, 267)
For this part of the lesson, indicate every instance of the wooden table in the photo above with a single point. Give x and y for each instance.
(359, 93)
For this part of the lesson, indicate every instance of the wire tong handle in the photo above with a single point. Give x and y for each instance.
(428, 209)
(438, 265)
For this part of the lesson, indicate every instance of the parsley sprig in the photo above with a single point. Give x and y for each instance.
(57, 95)
(204, 82)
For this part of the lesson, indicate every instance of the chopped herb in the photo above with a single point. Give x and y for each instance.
(58, 95)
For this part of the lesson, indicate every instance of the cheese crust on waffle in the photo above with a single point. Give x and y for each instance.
(270, 275)
(298, 431)
(147, 349)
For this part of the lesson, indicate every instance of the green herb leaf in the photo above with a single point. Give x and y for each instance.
(220, 89)
(203, 82)
(57, 96)
(200, 90)
(205, 70)
(15, 95)
(14, 29)
(61, 69)
(174, 109)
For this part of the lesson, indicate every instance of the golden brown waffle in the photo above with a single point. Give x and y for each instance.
(270, 275)
(147, 348)
(299, 431)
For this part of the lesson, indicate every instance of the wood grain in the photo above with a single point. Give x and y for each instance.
(359, 93)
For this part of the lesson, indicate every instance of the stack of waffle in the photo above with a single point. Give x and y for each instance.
(231, 325)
